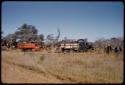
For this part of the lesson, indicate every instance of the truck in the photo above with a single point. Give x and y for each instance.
(28, 46)
(69, 47)
(77, 46)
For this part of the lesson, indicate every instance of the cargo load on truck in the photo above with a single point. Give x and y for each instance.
(80, 45)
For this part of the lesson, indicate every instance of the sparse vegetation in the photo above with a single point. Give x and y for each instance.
(89, 67)
(57, 42)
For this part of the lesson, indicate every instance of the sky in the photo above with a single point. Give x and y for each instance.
(76, 20)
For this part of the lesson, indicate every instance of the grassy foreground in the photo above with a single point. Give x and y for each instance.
(89, 67)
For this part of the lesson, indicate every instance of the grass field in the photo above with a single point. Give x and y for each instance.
(88, 67)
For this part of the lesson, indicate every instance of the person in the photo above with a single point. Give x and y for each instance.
(108, 49)
(120, 49)
(116, 49)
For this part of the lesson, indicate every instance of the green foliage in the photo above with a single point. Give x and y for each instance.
(25, 33)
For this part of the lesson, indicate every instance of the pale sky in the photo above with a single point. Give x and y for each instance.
(76, 20)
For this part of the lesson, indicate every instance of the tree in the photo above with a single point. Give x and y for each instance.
(28, 33)
(113, 42)
(9, 40)
(25, 33)
(99, 43)
(117, 41)
(53, 40)
(57, 38)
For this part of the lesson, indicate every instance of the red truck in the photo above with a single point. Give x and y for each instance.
(28, 47)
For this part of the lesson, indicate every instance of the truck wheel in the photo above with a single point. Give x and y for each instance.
(23, 50)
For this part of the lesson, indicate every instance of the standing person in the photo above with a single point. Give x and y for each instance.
(108, 49)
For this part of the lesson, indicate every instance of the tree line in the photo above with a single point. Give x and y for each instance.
(29, 33)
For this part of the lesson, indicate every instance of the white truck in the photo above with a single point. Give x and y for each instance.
(69, 46)
(76, 46)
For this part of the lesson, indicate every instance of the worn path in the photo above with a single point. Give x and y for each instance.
(12, 73)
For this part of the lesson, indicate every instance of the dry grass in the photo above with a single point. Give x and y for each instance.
(89, 67)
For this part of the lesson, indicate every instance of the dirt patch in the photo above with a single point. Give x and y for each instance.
(42, 67)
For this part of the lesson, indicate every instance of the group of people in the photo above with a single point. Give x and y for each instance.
(108, 49)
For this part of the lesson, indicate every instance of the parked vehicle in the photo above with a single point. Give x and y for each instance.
(77, 46)
(28, 46)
